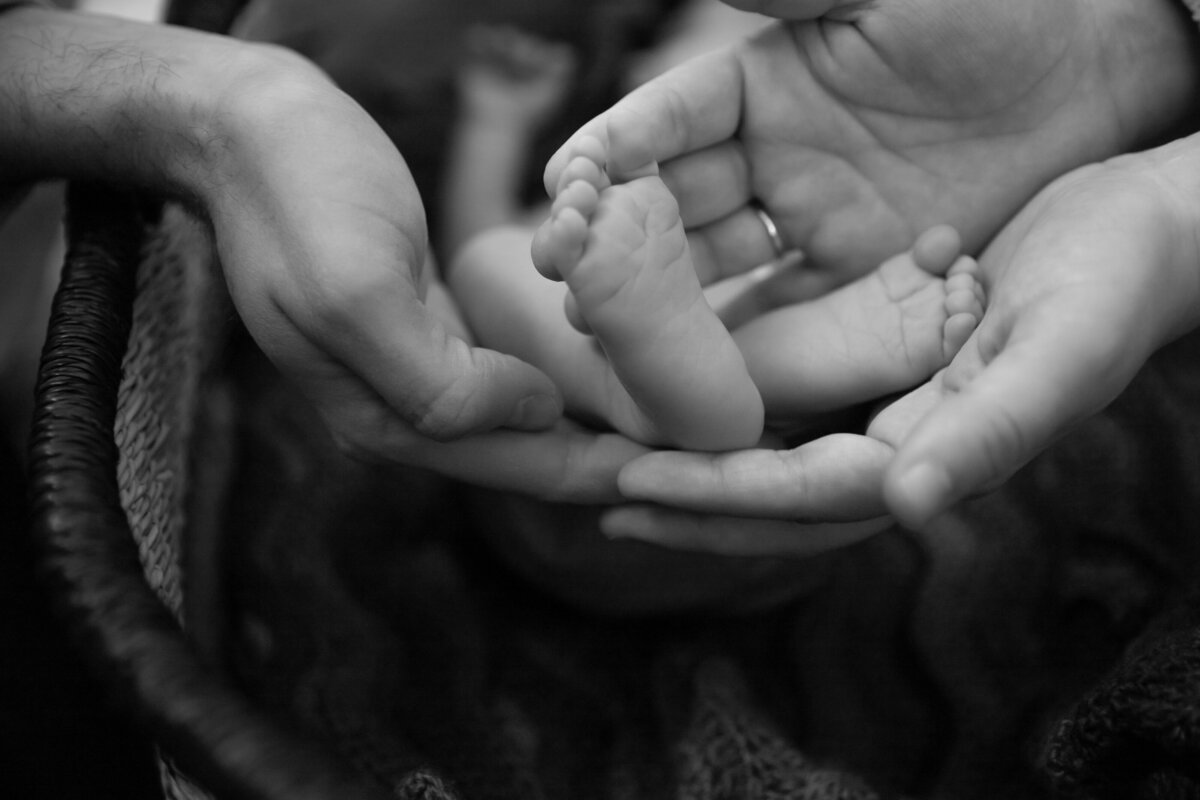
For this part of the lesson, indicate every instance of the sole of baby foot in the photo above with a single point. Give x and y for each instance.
(934, 305)
(883, 333)
(628, 267)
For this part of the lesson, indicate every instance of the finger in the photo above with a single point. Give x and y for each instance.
(836, 477)
(997, 416)
(710, 183)
(730, 246)
(567, 464)
(688, 108)
(893, 421)
(734, 536)
(434, 381)
(726, 236)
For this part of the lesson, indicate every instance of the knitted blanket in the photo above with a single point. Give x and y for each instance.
(387, 613)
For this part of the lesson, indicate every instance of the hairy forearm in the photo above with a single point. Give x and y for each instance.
(80, 96)
(94, 97)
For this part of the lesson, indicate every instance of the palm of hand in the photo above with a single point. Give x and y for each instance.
(915, 114)
(1086, 283)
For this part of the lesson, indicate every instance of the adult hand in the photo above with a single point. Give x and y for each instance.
(1085, 283)
(874, 122)
(1088, 281)
(817, 497)
(318, 226)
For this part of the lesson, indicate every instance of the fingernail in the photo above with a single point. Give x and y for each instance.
(535, 412)
(923, 490)
(620, 523)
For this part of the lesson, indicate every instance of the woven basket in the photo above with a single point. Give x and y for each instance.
(117, 573)
(118, 433)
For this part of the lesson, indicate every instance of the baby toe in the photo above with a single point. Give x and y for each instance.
(591, 148)
(580, 195)
(963, 301)
(542, 250)
(964, 265)
(961, 281)
(584, 167)
(567, 234)
(964, 276)
(955, 333)
(936, 249)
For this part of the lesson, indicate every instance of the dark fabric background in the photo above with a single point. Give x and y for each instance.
(59, 738)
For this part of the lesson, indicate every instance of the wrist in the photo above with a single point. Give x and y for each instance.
(1166, 181)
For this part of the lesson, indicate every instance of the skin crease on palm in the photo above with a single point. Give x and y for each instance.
(1100, 265)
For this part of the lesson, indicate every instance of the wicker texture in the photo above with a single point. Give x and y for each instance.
(92, 558)
(158, 397)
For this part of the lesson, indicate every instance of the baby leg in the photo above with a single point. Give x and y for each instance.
(885, 332)
(622, 252)
(510, 84)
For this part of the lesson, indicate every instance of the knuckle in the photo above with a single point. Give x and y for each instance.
(575, 477)
(444, 413)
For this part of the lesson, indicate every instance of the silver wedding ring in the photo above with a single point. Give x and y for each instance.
(773, 234)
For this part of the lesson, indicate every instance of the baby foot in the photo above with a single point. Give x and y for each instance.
(885, 332)
(622, 252)
(513, 78)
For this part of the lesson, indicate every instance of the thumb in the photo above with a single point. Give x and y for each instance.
(996, 416)
(435, 381)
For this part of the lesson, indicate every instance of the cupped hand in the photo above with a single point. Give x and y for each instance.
(1084, 284)
(322, 235)
(857, 125)
(1088, 281)
(817, 497)
(319, 229)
